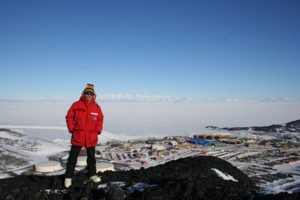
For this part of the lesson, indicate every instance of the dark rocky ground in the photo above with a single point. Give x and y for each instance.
(290, 127)
(188, 178)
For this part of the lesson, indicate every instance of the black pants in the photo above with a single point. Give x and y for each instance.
(72, 160)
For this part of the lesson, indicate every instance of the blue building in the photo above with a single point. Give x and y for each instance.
(200, 141)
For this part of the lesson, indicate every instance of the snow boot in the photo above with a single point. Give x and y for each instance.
(68, 182)
(95, 179)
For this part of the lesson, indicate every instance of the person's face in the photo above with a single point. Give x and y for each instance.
(89, 96)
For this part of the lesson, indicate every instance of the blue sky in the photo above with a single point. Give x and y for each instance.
(197, 49)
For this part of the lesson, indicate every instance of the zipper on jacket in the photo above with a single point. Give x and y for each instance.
(86, 125)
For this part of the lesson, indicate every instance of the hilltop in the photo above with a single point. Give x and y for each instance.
(201, 177)
(188, 178)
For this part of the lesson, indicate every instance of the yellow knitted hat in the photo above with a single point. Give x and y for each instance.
(89, 87)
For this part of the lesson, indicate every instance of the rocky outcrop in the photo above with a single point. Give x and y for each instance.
(188, 178)
(289, 127)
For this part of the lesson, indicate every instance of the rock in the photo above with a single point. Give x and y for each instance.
(114, 192)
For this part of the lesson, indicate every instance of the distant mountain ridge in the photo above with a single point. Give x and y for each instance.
(293, 126)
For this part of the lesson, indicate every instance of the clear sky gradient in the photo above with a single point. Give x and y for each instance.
(198, 49)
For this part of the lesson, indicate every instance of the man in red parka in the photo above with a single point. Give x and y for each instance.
(85, 122)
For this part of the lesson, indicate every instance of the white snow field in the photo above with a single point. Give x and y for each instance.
(154, 119)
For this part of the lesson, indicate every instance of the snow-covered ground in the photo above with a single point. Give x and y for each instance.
(224, 176)
(287, 184)
(18, 150)
(22, 146)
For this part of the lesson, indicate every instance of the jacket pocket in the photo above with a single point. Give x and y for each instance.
(76, 137)
(78, 119)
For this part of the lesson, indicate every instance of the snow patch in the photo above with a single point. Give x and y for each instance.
(225, 176)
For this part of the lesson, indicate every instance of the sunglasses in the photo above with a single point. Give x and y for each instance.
(89, 93)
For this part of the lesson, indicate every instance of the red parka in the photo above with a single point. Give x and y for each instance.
(85, 122)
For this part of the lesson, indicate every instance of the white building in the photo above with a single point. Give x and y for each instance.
(158, 147)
